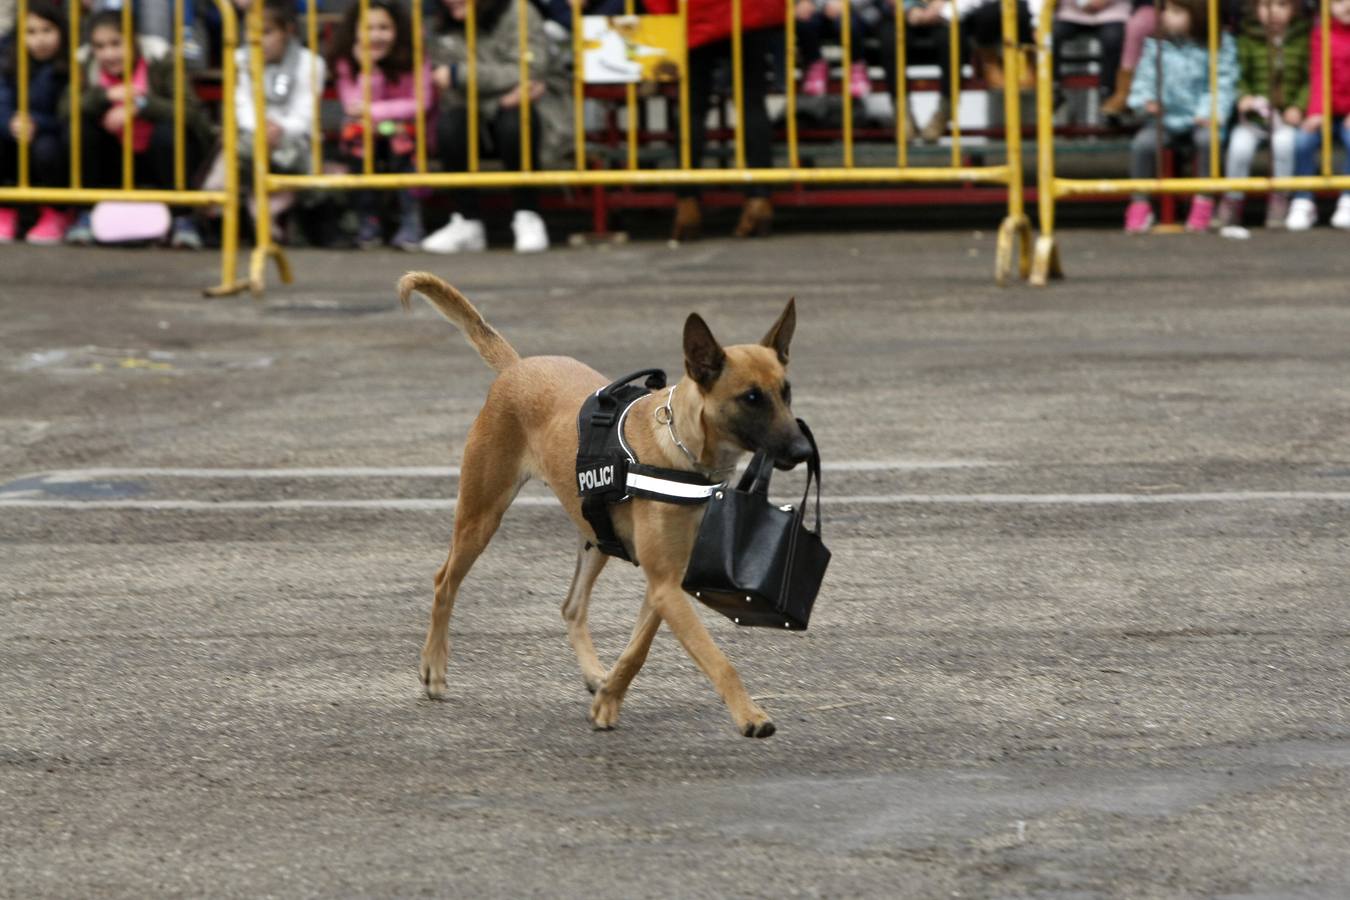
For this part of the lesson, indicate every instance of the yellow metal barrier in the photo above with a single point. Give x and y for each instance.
(1014, 229)
(75, 193)
(1051, 188)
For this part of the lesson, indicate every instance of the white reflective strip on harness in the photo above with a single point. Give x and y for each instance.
(671, 488)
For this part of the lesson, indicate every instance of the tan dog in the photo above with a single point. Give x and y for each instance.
(731, 401)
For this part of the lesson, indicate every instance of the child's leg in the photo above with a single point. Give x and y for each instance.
(452, 139)
(1199, 141)
(49, 165)
(1282, 142)
(1242, 146)
(1306, 147)
(1144, 152)
(9, 157)
(506, 139)
(1142, 24)
(810, 37)
(1111, 35)
(1342, 131)
(100, 155)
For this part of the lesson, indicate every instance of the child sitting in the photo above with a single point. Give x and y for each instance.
(821, 20)
(393, 111)
(1182, 102)
(292, 78)
(500, 94)
(1272, 94)
(104, 106)
(1308, 144)
(44, 41)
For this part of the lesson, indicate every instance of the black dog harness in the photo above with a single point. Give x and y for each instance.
(607, 471)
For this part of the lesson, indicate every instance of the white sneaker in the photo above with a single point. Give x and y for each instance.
(461, 235)
(531, 235)
(1302, 214)
(1341, 217)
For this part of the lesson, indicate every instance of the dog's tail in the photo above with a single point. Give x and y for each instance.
(494, 349)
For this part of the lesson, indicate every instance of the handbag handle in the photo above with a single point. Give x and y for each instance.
(812, 472)
(755, 478)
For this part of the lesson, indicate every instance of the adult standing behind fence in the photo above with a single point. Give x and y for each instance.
(709, 41)
(497, 50)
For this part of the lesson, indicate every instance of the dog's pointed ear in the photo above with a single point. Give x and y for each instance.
(780, 335)
(703, 356)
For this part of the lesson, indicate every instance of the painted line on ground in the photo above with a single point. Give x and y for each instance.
(417, 504)
(74, 476)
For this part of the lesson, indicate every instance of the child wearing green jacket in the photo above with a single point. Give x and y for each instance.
(1272, 101)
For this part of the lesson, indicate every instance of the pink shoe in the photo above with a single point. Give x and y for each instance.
(1202, 213)
(859, 85)
(50, 228)
(1138, 217)
(9, 224)
(817, 79)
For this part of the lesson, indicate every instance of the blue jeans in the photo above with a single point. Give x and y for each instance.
(1307, 147)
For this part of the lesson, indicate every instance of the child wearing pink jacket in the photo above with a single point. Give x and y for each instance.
(393, 112)
(1308, 143)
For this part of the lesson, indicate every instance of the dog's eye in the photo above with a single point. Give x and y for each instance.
(752, 397)
(787, 393)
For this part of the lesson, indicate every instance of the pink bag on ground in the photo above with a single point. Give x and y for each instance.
(119, 222)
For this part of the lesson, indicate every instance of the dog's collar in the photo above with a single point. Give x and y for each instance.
(666, 416)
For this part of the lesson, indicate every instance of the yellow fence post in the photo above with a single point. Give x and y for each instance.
(1326, 89)
(790, 55)
(1014, 234)
(845, 81)
(523, 56)
(263, 246)
(20, 24)
(1045, 262)
(128, 107)
(901, 94)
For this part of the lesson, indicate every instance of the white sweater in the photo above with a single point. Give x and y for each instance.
(290, 87)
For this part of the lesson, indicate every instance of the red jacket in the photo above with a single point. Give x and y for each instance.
(1340, 70)
(710, 20)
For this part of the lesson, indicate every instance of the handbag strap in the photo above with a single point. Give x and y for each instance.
(755, 478)
(812, 472)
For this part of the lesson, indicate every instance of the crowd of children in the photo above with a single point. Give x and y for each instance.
(1155, 68)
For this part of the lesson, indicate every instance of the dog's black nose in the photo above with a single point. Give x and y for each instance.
(797, 450)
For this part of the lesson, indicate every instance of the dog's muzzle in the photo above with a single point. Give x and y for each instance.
(793, 450)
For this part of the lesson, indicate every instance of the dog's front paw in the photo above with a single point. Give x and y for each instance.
(762, 730)
(604, 710)
(759, 725)
(433, 677)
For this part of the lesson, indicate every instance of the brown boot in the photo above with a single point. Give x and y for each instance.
(756, 217)
(1116, 105)
(937, 125)
(989, 62)
(688, 220)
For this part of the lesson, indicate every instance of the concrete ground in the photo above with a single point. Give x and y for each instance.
(1085, 632)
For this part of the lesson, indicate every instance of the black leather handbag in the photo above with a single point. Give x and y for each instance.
(756, 563)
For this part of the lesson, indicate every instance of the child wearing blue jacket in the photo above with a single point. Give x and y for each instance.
(1183, 104)
(43, 38)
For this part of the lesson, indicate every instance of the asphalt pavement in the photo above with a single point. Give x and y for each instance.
(1084, 635)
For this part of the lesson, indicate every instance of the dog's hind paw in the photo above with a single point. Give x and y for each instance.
(604, 714)
(433, 682)
(758, 730)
